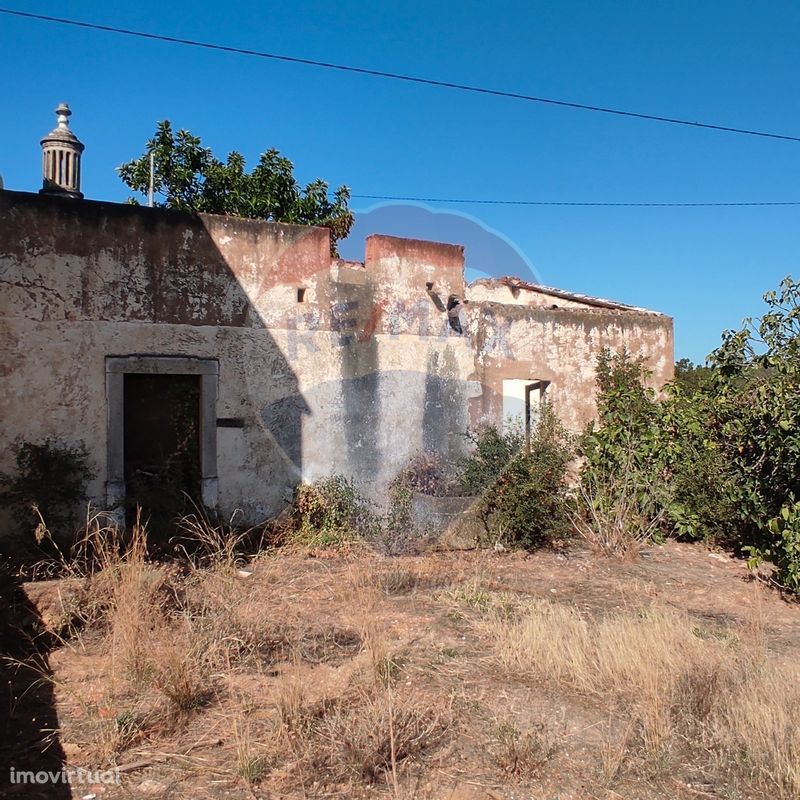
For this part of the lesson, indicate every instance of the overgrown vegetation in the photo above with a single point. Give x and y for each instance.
(50, 483)
(372, 677)
(492, 452)
(528, 504)
(522, 490)
(331, 512)
(717, 457)
(674, 682)
(425, 473)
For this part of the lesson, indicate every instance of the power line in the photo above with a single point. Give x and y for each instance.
(476, 201)
(395, 75)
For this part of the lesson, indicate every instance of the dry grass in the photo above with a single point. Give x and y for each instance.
(676, 684)
(366, 739)
(353, 677)
(179, 676)
(252, 762)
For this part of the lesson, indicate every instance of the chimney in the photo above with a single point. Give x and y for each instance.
(61, 159)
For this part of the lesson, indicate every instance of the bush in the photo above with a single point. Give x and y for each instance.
(528, 504)
(718, 456)
(652, 467)
(618, 511)
(784, 549)
(757, 397)
(623, 492)
(491, 455)
(51, 477)
(331, 512)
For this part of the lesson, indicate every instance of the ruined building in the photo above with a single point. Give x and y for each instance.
(138, 331)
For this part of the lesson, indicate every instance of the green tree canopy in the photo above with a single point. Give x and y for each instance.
(189, 177)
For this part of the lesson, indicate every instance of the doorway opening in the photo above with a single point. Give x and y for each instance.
(522, 400)
(161, 429)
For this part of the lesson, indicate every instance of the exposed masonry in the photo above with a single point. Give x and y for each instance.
(324, 366)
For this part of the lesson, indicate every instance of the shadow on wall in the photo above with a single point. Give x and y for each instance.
(28, 719)
(108, 264)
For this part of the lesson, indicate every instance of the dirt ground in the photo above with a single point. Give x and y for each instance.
(335, 621)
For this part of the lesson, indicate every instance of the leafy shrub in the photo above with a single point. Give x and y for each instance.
(652, 466)
(492, 453)
(757, 396)
(527, 505)
(719, 455)
(702, 485)
(51, 477)
(618, 511)
(331, 512)
(621, 497)
(784, 549)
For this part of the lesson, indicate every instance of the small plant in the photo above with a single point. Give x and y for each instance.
(251, 765)
(523, 754)
(613, 752)
(49, 483)
(370, 740)
(471, 594)
(331, 512)
(212, 542)
(180, 680)
(385, 667)
(115, 733)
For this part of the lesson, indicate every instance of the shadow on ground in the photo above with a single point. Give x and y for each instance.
(29, 730)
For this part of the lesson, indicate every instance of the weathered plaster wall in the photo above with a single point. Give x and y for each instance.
(353, 379)
(561, 345)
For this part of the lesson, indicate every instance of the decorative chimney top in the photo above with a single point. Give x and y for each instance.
(61, 158)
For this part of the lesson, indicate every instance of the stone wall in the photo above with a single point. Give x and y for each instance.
(326, 366)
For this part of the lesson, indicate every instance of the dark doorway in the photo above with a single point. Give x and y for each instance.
(162, 447)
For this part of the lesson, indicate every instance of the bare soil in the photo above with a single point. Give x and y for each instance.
(332, 622)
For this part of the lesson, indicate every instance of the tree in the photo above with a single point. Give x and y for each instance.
(693, 377)
(188, 177)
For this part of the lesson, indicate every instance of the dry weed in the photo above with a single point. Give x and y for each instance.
(731, 700)
(368, 738)
(523, 754)
(180, 678)
(614, 750)
(384, 665)
(112, 734)
(252, 763)
(127, 592)
(216, 544)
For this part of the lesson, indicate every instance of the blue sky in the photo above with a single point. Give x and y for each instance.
(733, 63)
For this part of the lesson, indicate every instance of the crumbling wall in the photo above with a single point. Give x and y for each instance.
(324, 367)
(351, 380)
(560, 346)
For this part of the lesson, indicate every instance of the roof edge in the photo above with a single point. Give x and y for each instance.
(515, 283)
